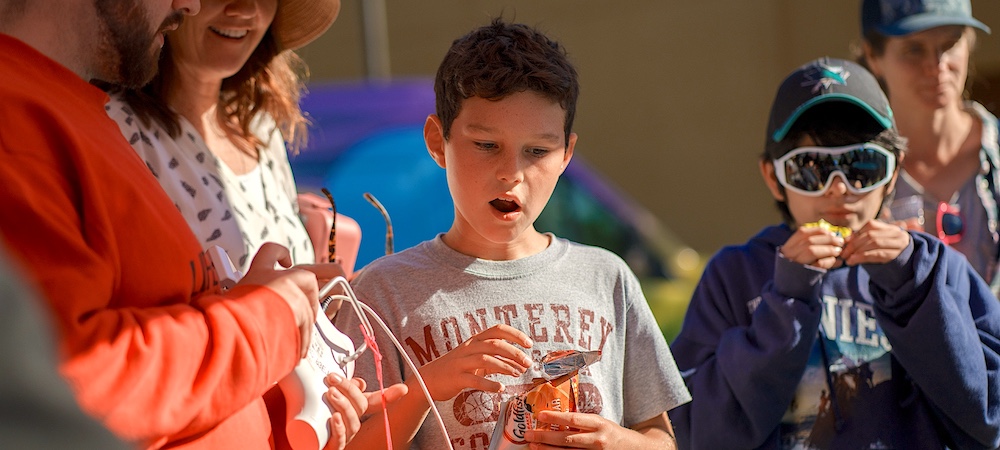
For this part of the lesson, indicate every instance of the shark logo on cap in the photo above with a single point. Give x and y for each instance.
(826, 76)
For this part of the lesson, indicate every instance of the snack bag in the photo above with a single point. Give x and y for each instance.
(557, 390)
(559, 396)
(561, 362)
(510, 428)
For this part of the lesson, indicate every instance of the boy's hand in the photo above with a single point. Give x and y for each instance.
(466, 366)
(814, 246)
(597, 432)
(297, 287)
(875, 243)
(348, 402)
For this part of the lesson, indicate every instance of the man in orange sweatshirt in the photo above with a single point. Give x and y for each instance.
(145, 344)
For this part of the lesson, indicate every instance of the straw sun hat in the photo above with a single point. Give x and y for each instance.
(299, 22)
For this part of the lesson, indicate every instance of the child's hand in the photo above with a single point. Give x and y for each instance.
(348, 402)
(594, 431)
(466, 366)
(875, 243)
(813, 246)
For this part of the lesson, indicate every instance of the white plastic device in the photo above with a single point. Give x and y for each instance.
(361, 309)
(330, 351)
(224, 269)
(307, 425)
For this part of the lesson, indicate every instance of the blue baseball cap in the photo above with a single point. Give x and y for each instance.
(902, 17)
(820, 81)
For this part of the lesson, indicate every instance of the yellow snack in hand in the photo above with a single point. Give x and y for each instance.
(843, 232)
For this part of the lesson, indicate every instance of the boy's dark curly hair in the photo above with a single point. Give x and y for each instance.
(501, 59)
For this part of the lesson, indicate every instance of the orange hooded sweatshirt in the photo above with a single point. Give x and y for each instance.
(144, 346)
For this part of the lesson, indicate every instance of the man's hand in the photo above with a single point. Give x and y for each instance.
(324, 273)
(297, 287)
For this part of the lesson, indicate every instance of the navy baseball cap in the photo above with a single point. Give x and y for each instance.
(821, 81)
(902, 17)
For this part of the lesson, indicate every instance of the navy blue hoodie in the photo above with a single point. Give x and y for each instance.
(907, 356)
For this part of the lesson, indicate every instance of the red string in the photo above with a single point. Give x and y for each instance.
(373, 346)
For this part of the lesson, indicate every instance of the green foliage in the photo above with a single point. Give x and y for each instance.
(668, 299)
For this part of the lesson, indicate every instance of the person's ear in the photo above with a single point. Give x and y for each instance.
(771, 180)
(871, 60)
(434, 139)
(568, 154)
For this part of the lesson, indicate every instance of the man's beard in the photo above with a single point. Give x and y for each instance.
(127, 56)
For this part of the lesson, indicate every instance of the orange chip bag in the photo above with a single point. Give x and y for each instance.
(556, 395)
(559, 390)
(508, 434)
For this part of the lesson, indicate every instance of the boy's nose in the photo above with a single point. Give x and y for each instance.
(838, 185)
(509, 170)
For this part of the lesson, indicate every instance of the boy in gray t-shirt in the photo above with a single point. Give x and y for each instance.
(466, 303)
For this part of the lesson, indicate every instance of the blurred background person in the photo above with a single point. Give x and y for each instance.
(920, 52)
(33, 398)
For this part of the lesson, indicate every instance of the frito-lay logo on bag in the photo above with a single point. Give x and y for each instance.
(517, 422)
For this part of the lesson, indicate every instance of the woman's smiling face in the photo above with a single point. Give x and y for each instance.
(219, 40)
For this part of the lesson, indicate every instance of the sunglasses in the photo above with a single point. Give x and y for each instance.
(810, 170)
(949, 223)
(332, 243)
(329, 299)
(388, 222)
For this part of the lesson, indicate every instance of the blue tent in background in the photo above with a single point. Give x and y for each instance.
(368, 137)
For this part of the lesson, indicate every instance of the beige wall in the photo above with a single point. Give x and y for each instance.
(674, 93)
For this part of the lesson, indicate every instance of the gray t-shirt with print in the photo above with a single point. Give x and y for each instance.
(567, 297)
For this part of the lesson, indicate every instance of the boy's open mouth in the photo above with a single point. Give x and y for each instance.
(505, 206)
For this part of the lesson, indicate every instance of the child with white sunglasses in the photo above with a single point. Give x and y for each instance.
(806, 337)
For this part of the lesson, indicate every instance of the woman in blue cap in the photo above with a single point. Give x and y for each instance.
(920, 51)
